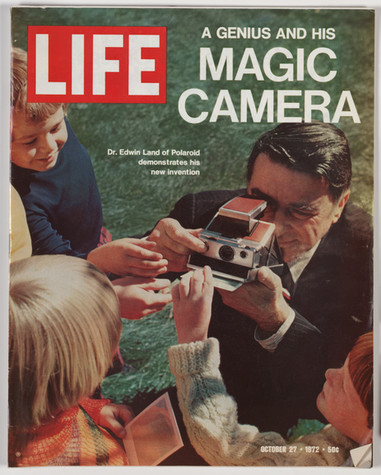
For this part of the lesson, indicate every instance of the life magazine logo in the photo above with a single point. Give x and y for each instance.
(105, 64)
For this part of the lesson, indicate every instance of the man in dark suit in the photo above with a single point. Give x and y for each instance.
(274, 352)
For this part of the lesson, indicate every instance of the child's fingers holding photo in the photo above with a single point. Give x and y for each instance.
(115, 417)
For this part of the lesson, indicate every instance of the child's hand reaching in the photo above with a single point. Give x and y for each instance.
(129, 256)
(115, 417)
(192, 302)
(139, 296)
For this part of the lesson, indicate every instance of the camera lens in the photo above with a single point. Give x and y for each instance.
(226, 253)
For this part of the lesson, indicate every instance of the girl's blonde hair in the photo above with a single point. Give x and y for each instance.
(33, 111)
(64, 328)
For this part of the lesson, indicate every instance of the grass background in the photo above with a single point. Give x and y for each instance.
(133, 200)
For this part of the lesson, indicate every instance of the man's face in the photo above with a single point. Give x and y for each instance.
(341, 405)
(297, 203)
(35, 145)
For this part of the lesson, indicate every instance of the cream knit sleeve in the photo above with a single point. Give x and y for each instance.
(210, 416)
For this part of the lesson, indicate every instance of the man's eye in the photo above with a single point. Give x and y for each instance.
(301, 214)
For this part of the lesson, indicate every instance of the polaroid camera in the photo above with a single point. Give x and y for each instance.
(238, 244)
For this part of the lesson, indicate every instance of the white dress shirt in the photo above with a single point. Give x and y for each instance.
(296, 268)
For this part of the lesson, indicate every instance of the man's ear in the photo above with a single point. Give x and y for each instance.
(340, 206)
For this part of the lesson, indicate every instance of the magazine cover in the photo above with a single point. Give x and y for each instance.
(191, 236)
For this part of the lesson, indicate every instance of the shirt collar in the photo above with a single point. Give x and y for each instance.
(298, 265)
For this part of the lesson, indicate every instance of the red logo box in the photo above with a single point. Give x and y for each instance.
(107, 64)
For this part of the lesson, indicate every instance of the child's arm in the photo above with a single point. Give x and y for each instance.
(210, 417)
(192, 301)
(129, 256)
(120, 257)
(46, 239)
(209, 413)
(140, 296)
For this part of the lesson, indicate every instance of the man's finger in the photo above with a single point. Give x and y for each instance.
(223, 292)
(195, 232)
(182, 236)
(266, 277)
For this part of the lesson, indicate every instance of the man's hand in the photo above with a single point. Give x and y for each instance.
(261, 300)
(129, 256)
(139, 296)
(115, 417)
(175, 243)
(192, 302)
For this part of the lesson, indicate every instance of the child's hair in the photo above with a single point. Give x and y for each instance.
(64, 329)
(360, 367)
(34, 111)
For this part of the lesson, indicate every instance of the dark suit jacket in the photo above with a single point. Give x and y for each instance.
(332, 302)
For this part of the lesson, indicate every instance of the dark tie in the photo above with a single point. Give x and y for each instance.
(287, 280)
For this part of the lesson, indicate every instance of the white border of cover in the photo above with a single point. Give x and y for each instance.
(4, 206)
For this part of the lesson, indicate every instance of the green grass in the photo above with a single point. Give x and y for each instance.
(143, 347)
(133, 200)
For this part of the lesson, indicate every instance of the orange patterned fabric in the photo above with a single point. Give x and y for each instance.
(72, 438)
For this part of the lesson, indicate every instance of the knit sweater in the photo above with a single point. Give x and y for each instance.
(72, 438)
(210, 417)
